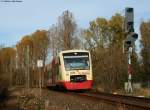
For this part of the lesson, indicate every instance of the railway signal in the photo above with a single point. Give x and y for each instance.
(129, 20)
(129, 29)
(129, 42)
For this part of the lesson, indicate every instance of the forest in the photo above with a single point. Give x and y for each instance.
(103, 38)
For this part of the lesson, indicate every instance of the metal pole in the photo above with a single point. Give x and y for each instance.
(40, 65)
(40, 82)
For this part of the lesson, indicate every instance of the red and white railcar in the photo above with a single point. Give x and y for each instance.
(72, 70)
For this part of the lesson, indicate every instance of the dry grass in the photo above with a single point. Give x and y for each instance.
(121, 106)
(143, 92)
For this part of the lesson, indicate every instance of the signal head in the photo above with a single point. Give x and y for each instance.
(129, 20)
(135, 35)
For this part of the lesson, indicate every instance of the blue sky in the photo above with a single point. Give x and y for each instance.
(23, 18)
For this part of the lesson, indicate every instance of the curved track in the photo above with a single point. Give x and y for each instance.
(128, 101)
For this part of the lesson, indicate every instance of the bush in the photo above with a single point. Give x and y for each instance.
(3, 89)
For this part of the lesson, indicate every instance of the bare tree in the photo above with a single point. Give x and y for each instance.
(67, 29)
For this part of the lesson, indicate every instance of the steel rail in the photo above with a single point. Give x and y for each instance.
(139, 102)
(129, 101)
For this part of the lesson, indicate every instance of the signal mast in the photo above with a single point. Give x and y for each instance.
(129, 42)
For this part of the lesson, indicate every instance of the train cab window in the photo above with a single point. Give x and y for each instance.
(76, 63)
(88, 63)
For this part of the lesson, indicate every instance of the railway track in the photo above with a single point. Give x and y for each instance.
(133, 103)
(128, 101)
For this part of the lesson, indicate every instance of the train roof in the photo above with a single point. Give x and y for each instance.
(68, 51)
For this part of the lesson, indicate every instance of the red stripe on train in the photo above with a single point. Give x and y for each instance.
(78, 85)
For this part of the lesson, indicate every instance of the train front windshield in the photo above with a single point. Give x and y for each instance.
(79, 62)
